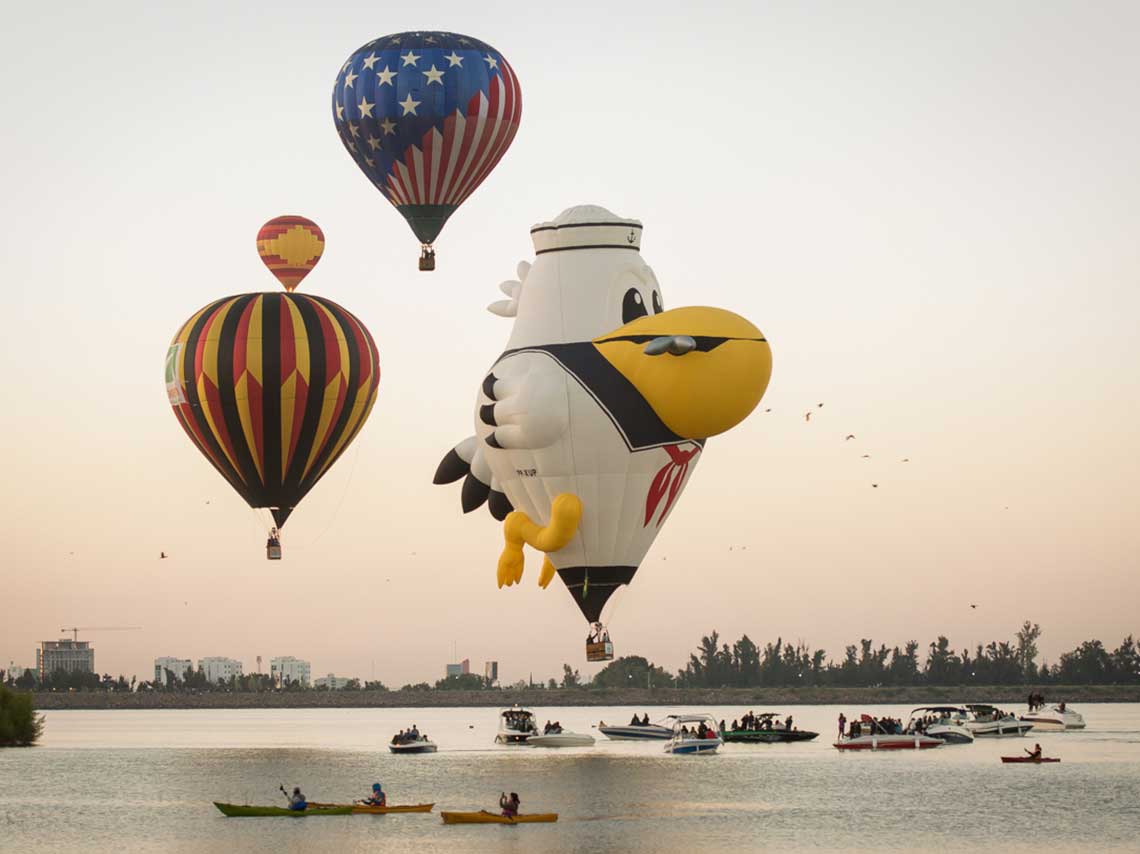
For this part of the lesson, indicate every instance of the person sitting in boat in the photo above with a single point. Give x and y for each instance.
(297, 801)
(735, 725)
(636, 721)
(414, 734)
(1060, 707)
(710, 733)
(377, 798)
(1035, 753)
(398, 738)
(645, 719)
(509, 806)
(557, 728)
(702, 730)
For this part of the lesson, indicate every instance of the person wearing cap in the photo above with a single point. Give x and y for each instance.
(377, 798)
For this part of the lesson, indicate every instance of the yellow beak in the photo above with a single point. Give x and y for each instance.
(705, 369)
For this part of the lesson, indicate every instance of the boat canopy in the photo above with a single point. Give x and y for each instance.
(940, 709)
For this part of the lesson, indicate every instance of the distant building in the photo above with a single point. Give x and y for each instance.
(74, 656)
(218, 667)
(332, 682)
(177, 666)
(287, 669)
(459, 669)
(491, 672)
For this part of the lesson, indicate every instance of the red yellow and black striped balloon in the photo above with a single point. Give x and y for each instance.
(290, 246)
(272, 388)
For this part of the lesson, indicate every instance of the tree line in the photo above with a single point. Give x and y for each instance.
(745, 664)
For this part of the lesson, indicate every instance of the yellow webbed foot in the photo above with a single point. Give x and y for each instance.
(547, 574)
(511, 563)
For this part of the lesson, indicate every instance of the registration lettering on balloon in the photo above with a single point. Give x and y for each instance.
(606, 397)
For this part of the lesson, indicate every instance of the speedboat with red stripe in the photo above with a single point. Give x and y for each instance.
(869, 734)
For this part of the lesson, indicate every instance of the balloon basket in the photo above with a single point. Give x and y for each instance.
(427, 259)
(598, 645)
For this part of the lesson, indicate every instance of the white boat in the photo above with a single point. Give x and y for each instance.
(516, 726)
(661, 730)
(421, 745)
(686, 734)
(946, 723)
(1056, 718)
(561, 739)
(881, 741)
(988, 721)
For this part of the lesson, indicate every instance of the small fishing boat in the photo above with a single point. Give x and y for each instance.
(946, 723)
(988, 721)
(1029, 760)
(247, 811)
(516, 726)
(1058, 718)
(768, 730)
(561, 739)
(661, 730)
(687, 737)
(421, 745)
(484, 817)
(367, 809)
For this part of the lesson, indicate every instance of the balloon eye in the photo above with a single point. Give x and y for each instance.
(632, 306)
(657, 307)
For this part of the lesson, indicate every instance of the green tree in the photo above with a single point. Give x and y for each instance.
(20, 726)
(461, 682)
(632, 671)
(570, 678)
(1027, 637)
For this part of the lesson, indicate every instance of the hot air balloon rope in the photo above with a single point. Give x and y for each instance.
(340, 503)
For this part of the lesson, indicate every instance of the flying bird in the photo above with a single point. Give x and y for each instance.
(807, 415)
(820, 405)
(906, 459)
(767, 410)
(973, 606)
(866, 456)
(162, 555)
(875, 485)
(848, 437)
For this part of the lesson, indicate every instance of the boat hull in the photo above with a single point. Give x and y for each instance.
(1028, 760)
(414, 747)
(636, 733)
(889, 742)
(775, 736)
(247, 811)
(365, 809)
(562, 739)
(1000, 729)
(695, 745)
(484, 817)
(951, 734)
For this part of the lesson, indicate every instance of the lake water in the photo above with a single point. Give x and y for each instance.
(139, 781)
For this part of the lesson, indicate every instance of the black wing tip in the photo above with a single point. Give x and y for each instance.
(475, 492)
(492, 441)
(487, 414)
(499, 504)
(489, 386)
(451, 468)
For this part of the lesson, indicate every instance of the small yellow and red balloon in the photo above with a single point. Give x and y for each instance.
(290, 246)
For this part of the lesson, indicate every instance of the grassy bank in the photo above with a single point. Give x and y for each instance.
(672, 697)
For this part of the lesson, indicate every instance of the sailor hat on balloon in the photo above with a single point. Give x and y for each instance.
(590, 423)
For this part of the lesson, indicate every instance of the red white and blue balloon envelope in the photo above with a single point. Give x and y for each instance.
(426, 116)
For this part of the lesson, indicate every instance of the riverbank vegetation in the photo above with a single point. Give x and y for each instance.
(20, 726)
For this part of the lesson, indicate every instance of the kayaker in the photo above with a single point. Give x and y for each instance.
(510, 806)
(377, 798)
(297, 801)
(1035, 753)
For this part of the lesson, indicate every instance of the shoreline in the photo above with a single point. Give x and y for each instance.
(1006, 695)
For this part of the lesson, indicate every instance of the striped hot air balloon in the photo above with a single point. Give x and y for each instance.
(426, 116)
(272, 388)
(290, 246)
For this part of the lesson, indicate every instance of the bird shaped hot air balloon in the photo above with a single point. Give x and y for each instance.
(290, 246)
(272, 388)
(590, 423)
(426, 116)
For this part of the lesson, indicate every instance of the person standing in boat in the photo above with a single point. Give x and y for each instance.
(842, 724)
(509, 806)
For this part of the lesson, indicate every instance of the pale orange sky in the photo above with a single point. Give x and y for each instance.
(931, 213)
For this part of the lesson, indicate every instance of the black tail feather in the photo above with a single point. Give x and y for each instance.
(451, 468)
(475, 492)
(499, 504)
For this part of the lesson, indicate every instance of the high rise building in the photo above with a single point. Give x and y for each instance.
(64, 654)
(219, 668)
(287, 669)
(167, 665)
(491, 672)
(459, 669)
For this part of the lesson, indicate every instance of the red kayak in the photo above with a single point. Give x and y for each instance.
(1030, 759)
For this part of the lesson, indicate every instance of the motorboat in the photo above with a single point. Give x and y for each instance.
(561, 739)
(516, 726)
(687, 737)
(420, 745)
(988, 721)
(661, 730)
(870, 734)
(947, 723)
(769, 729)
(1057, 718)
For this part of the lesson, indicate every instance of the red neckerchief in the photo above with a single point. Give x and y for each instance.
(668, 480)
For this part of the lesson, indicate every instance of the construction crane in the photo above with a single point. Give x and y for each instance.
(75, 630)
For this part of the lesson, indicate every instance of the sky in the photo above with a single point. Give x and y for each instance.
(930, 210)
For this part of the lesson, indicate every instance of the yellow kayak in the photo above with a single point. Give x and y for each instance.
(365, 809)
(484, 817)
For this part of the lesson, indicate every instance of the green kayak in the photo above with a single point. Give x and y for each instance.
(236, 810)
